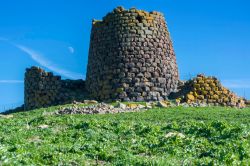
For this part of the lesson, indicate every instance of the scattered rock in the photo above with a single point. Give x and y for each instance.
(203, 105)
(6, 116)
(121, 105)
(178, 102)
(90, 102)
(190, 97)
(174, 134)
(132, 106)
(140, 106)
(47, 113)
(43, 126)
(184, 105)
(149, 105)
(100, 108)
(163, 104)
(76, 102)
(241, 104)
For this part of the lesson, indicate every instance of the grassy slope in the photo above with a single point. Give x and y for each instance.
(212, 135)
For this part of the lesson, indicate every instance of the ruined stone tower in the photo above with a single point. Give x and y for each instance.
(131, 57)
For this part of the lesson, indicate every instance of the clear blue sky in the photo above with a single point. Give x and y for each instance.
(210, 37)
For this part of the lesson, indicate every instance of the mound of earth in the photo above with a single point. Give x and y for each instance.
(203, 89)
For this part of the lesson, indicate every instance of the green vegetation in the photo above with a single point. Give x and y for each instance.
(170, 136)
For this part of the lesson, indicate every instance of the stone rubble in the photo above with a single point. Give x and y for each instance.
(202, 90)
(100, 108)
(163, 104)
(148, 105)
(104, 108)
(121, 105)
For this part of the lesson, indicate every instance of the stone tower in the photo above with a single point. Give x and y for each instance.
(131, 57)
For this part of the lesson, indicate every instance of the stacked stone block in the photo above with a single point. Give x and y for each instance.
(208, 90)
(131, 57)
(43, 89)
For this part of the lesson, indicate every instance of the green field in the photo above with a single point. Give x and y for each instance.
(170, 136)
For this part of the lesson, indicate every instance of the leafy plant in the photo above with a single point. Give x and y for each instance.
(169, 136)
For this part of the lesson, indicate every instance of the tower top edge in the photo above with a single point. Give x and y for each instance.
(128, 12)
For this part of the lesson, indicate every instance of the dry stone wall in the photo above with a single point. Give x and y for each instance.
(43, 89)
(131, 57)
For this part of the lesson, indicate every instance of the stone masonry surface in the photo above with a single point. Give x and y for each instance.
(131, 57)
(43, 89)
